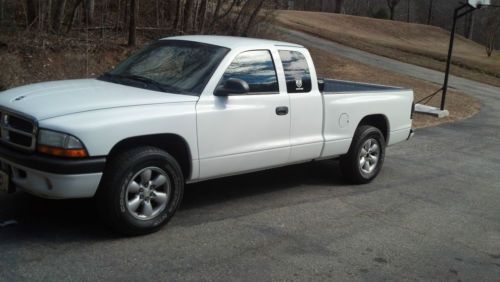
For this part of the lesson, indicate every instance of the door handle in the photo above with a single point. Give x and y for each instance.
(281, 111)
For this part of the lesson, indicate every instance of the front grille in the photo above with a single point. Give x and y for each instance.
(17, 131)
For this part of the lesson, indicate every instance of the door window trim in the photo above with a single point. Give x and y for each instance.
(284, 70)
(254, 93)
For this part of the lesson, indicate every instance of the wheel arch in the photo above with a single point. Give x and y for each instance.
(173, 144)
(379, 121)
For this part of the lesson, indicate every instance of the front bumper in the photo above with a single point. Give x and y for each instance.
(52, 178)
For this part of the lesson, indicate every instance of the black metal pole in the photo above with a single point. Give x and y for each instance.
(456, 16)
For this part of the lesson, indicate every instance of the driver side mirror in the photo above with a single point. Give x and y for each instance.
(232, 86)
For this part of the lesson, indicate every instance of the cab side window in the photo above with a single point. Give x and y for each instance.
(298, 78)
(257, 69)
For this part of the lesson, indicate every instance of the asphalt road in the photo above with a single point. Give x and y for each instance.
(432, 214)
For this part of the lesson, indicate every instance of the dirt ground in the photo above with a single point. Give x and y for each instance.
(417, 44)
(35, 58)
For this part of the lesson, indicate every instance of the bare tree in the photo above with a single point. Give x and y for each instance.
(256, 9)
(469, 25)
(178, 16)
(408, 10)
(89, 6)
(157, 13)
(31, 12)
(217, 9)
(338, 6)
(492, 32)
(219, 14)
(48, 8)
(73, 13)
(132, 38)
(245, 7)
(59, 8)
(429, 14)
(203, 15)
(2, 7)
(189, 10)
(392, 7)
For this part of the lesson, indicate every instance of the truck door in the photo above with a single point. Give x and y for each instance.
(306, 103)
(244, 132)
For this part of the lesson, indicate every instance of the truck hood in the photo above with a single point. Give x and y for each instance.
(58, 98)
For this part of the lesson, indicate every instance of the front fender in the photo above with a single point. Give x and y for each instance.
(101, 130)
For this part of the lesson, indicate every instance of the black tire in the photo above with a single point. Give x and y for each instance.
(113, 193)
(350, 164)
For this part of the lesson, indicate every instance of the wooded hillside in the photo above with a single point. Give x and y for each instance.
(233, 17)
(53, 39)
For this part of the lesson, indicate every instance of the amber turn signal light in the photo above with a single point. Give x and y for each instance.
(59, 152)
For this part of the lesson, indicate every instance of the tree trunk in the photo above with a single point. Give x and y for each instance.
(89, 6)
(338, 6)
(104, 13)
(170, 10)
(235, 28)
(2, 7)
(132, 24)
(470, 26)
(73, 13)
(392, 7)
(178, 16)
(216, 11)
(219, 15)
(59, 10)
(408, 11)
(254, 14)
(188, 16)
(229, 9)
(429, 14)
(490, 46)
(118, 14)
(195, 15)
(126, 17)
(203, 15)
(91, 9)
(157, 13)
(49, 14)
(31, 11)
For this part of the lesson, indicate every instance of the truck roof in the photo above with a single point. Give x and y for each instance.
(232, 42)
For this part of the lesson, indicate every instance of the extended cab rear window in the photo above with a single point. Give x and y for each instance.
(257, 69)
(297, 75)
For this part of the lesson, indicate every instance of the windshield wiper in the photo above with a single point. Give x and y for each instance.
(147, 81)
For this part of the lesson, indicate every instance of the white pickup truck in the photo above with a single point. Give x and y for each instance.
(188, 109)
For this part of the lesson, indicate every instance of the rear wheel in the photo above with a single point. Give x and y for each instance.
(366, 155)
(141, 190)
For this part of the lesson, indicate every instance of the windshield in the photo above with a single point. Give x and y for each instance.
(174, 66)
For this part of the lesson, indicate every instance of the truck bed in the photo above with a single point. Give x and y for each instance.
(332, 86)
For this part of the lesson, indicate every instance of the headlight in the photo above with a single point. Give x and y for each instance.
(60, 144)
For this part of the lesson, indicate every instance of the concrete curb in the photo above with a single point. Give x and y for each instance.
(433, 111)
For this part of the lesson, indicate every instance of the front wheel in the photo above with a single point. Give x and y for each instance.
(141, 190)
(366, 155)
